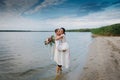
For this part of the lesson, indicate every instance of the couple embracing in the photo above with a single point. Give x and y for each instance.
(61, 52)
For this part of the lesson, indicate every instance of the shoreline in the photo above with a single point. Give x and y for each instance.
(103, 62)
(96, 35)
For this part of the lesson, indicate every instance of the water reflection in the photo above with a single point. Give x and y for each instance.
(23, 55)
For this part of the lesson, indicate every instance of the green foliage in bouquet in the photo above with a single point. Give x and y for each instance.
(50, 41)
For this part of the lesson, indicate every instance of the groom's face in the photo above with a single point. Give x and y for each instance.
(58, 32)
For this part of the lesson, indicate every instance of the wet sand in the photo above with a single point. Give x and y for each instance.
(103, 62)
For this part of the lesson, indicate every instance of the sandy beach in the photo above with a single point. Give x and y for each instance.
(103, 62)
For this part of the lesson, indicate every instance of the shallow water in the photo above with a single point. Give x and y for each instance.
(23, 55)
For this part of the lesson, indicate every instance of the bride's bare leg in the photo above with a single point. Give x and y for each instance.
(57, 69)
(61, 68)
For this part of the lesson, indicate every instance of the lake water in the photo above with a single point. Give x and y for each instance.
(23, 55)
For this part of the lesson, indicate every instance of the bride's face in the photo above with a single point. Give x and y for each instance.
(61, 31)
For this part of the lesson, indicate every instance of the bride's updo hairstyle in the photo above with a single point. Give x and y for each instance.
(63, 30)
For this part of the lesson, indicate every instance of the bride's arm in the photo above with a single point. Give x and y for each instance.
(59, 37)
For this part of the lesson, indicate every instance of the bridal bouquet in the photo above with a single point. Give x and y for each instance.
(50, 40)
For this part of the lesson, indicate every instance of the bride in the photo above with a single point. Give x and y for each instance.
(61, 54)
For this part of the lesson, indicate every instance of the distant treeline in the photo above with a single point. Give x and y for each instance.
(79, 30)
(22, 31)
(111, 30)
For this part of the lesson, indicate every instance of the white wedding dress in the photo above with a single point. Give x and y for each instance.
(62, 57)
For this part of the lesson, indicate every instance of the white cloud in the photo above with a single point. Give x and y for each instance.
(24, 6)
(107, 17)
(45, 4)
(18, 6)
(10, 21)
(92, 20)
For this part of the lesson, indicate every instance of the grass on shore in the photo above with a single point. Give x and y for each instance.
(111, 30)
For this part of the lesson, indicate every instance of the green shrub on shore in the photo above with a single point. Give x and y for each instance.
(111, 30)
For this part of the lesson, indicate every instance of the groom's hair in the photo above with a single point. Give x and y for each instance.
(56, 30)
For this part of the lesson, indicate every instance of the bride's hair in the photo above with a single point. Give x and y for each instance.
(63, 30)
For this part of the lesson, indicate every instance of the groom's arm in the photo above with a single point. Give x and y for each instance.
(59, 37)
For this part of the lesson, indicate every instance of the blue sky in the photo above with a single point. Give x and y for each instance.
(51, 14)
